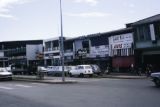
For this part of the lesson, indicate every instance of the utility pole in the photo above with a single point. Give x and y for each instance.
(61, 42)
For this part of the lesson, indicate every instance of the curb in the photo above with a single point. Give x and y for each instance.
(119, 77)
(42, 81)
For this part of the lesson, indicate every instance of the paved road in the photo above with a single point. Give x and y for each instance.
(89, 93)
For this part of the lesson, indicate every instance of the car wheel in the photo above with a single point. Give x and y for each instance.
(10, 78)
(157, 82)
(81, 75)
(91, 75)
(70, 74)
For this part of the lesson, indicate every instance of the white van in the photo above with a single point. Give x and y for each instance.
(81, 70)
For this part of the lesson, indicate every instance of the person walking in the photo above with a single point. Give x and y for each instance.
(132, 68)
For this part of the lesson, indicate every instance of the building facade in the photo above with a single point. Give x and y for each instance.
(20, 52)
(52, 51)
(147, 41)
(121, 49)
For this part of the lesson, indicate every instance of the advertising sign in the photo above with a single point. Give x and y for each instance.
(121, 41)
(101, 51)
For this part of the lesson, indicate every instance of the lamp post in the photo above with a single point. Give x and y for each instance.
(61, 43)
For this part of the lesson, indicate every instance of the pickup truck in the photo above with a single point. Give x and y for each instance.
(156, 78)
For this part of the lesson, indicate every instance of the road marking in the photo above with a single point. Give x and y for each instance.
(25, 86)
(6, 88)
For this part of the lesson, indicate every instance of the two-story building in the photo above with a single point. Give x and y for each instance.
(147, 41)
(20, 52)
(121, 49)
(52, 51)
(102, 49)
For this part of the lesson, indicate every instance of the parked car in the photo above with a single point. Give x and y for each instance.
(81, 70)
(5, 74)
(42, 69)
(96, 69)
(57, 70)
(156, 78)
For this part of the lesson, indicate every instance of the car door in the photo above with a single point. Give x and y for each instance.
(81, 70)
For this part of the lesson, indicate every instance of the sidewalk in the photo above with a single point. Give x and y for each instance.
(68, 80)
(123, 76)
(48, 80)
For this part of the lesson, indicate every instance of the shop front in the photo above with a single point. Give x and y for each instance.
(122, 52)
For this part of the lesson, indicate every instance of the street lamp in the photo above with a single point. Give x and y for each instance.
(61, 42)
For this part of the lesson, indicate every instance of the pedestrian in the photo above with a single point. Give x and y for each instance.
(147, 70)
(107, 71)
(132, 68)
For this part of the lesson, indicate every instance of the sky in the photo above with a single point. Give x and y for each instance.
(40, 19)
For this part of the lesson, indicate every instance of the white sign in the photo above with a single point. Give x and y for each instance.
(101, 51)
(121, 41)
(121, 46)
(124, 38)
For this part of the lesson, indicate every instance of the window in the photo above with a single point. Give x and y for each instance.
(157, 29)
(130, 51)
(87, 67)
(140, 33)
(99, 40)
(119, 52)
(80, 67)
(85, 44)
(146, 31)
(143, 33)
(47, 46)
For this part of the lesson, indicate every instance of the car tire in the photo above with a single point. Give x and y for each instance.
(157, 82)
(70, 74)
(81, 75)
(10, 78)
(91, 75)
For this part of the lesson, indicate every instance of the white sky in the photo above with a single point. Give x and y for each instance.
(39, 19)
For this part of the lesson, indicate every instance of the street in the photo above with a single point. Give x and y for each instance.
(87, 93)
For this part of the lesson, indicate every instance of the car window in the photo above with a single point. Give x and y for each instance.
(80, 67)
(87, 67)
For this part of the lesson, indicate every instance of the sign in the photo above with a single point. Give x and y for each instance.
(101, 51)
(121, 46)
(82, 52)
(121, 41)
(122, 38)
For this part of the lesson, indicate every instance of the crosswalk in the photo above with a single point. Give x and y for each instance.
(20, 86)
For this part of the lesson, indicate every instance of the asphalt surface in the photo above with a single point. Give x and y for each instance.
(87, 93)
